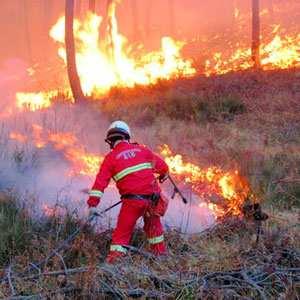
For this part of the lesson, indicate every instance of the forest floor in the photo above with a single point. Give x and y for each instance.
(249, 120)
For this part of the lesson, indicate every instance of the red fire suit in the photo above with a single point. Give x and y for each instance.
(132, 167)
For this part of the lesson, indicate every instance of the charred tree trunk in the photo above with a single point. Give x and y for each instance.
(255, 33)
(71, 54)
(171, 17)
(92, 6)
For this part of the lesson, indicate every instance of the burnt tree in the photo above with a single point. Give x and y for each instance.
(255, 33)
(70, 51)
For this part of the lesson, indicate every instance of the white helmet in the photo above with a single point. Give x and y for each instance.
(118, 129)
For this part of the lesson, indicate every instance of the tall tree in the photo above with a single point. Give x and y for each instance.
(71, 54)
(255, 33)
(92, 6)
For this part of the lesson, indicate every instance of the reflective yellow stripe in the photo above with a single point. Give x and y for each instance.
(156, 240)
(118, 248)
(95, 193)
(132, 169)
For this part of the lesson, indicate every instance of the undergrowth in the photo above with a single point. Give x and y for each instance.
(15, 230)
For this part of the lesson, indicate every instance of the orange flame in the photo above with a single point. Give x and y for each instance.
(83, 163)
(227, 187)
(18, 137)
(110, 64)
(230, 188)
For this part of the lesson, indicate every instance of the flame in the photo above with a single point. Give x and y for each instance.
(230, 188)
(278, 50)
(83, 163)
(110, 63)
(280, 53)
(35, 101)
(212, 184)
(37, 132)
(18, 137)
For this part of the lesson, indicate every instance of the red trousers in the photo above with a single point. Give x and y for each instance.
(130, 212)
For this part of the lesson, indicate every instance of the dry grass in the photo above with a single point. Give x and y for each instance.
(219, 263)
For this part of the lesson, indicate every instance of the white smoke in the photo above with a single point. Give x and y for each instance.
(40, 176)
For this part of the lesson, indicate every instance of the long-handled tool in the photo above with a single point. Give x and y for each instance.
(176, 190)
(71, 237)
(66, 242)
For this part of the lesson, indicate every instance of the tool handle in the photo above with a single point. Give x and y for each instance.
(177, 191)
(98, 214)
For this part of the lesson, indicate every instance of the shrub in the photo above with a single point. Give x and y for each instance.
(15, 230)
(143, 108)
(279, 182)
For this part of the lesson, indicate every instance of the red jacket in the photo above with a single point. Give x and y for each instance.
(132, 167)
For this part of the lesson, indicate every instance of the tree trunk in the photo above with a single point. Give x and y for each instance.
(255, 33)
(70, 49)
(92, 6)
(171, 17)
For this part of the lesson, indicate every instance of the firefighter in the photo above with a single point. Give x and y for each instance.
(133, 168)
